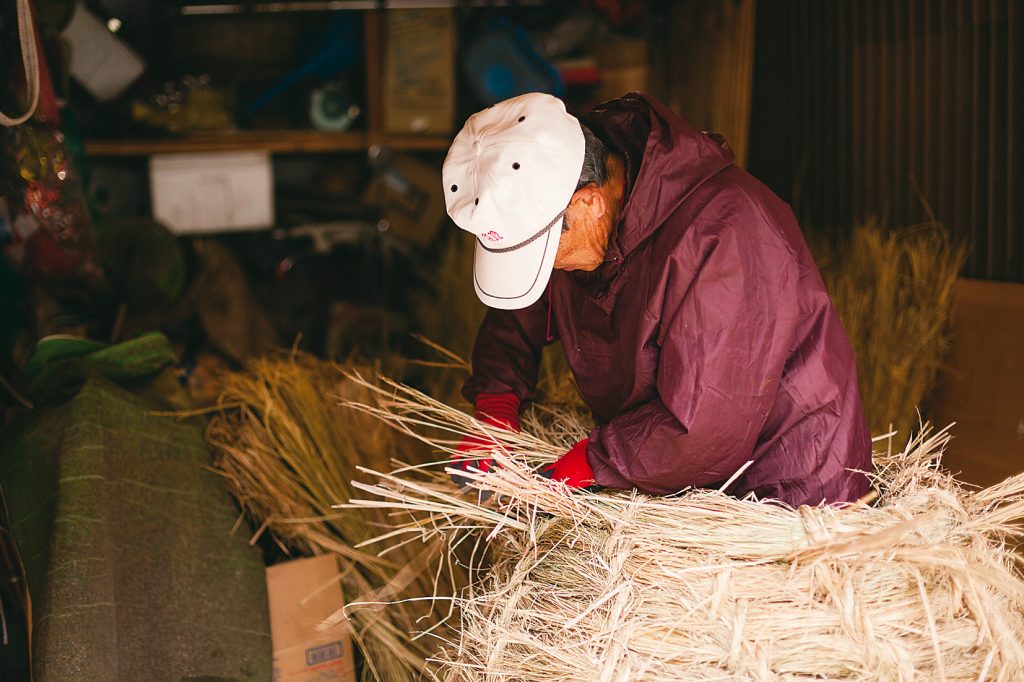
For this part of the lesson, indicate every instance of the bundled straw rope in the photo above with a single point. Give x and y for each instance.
(923, 584)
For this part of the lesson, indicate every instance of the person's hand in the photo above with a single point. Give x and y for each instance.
(497, 409)
(573, 468)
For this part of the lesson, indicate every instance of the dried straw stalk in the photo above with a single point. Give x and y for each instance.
(894, 292)
(288, 452)
(923, 584)
(449, 315)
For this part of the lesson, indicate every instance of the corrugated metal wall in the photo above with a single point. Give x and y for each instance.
(702, 62)
(900, 108)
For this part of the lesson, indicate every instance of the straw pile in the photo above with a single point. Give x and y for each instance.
(921, 584)
(894, 293)
(287, 451)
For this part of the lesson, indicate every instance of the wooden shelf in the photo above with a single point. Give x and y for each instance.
(267, 7)
(275, 141)
(412, 143)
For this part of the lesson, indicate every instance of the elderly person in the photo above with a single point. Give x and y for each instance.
(688, 306)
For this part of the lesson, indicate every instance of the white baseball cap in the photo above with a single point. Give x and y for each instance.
(508, 178)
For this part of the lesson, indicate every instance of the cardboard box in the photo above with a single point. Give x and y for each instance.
(409, 195)
(979, 388)
(199, 193)
(301, 594)
(616, 82)
(624, 68)
(419, 71)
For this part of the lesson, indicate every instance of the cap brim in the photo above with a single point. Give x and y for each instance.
(516, 279)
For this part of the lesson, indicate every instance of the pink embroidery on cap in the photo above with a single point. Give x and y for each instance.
(491, 236)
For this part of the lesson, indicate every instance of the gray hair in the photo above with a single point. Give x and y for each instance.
(595, 165)
(594, 168)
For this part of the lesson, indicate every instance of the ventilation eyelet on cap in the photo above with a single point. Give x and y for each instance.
(515, 165)
(455, 188)
(521, 119)
(477, 202)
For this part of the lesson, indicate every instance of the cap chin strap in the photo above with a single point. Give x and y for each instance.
(526, 242)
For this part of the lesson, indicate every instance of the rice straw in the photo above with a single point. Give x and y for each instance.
(924, 583)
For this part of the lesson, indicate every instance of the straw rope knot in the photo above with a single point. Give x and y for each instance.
(814, 525)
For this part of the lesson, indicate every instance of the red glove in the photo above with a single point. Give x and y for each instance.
(496, 409)
(573, 467)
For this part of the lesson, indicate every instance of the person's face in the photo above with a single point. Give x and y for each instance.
(588, 224)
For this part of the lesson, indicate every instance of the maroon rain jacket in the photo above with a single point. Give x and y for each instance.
(704, 341)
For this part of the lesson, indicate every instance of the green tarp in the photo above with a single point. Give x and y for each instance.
(125, 535)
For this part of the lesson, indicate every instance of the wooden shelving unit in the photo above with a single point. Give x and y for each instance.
(296, 141)
(274, 141)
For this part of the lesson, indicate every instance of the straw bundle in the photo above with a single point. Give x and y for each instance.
(894, 293)
(620, 586)
(287, 452)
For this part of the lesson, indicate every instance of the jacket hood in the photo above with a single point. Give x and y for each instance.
(657, 147)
